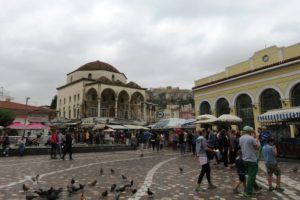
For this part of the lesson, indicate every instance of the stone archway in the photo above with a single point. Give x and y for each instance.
(295, 95)
(91, 103)
(123, 105)
(108, 103)
(204, 108)
(270, 99)
(137, 106)
(244, 110)
(222, 107)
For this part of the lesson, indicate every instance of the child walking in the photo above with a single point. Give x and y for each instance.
(241, 170)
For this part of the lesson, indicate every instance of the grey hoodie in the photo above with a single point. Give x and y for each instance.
(201, 146)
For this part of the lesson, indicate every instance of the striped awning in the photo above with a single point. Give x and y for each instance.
(288, 114)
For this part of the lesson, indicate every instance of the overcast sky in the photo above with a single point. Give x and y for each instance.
(154, 42)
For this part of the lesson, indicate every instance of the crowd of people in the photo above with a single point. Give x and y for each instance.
(239, 149)
(244, 150)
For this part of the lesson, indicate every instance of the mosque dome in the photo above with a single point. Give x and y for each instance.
(97, 65)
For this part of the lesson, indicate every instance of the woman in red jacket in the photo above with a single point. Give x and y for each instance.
(54, 142)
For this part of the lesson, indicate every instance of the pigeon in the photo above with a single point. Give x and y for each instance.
(25, 187)
(72, 188)
(131, 183)
(124, 177)
(82, 197)
(133, 191)
(113, 187)
(41, 192)
(30, 197)
(101, 172)
(56, 191)
(112, 171)
(72, 181)
(180, 169)
(295, 169)
(36, 178)
(92, 184)
(149, 192)
(104, 194)
(117, 196)
(121, 188)
(81, 187)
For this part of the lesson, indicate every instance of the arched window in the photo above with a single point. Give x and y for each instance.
(222, 107)
(295, 95)
(204, 108)
(71, 79)
(113, 77)
(270, 99)
(90, 75)
(244, 110)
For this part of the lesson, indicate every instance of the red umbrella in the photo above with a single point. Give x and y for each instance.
(36, 126)
(17, 125)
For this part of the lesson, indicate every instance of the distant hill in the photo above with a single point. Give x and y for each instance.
(164, 96)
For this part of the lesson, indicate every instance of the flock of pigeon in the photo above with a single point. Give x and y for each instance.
(74, 188)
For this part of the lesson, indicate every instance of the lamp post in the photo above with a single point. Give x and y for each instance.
(27, 99)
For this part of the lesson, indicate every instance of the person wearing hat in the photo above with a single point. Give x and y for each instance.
(269, 152)
(249, 143)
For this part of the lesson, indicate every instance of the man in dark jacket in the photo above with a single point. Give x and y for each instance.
(68, 146)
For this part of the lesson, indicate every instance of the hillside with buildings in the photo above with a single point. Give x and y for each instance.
(173, 102)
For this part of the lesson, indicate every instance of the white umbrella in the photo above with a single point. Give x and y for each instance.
(109, 130)
(229, 118)
(99, 126)
(205, 117)
(206, 121)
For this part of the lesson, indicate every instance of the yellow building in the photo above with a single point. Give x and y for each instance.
(270, 79)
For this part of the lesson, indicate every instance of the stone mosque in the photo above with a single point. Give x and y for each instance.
(98, 89)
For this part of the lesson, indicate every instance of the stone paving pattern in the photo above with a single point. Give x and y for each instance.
(167, 183)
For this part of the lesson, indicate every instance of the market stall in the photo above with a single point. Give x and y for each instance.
(280, 121)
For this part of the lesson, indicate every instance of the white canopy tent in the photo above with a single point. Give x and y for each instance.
(280, 115)
(229, 118)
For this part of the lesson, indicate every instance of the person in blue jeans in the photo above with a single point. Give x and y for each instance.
(21, 143)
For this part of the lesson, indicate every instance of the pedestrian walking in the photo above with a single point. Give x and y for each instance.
(5, 145)
(249, 143)
(201, 150)
(181, 143)
(224, 146)
(68, 146)
(264, 135)
(54, 142)
(60, 144)
(269, 152)
(21, 144)
(241, 171)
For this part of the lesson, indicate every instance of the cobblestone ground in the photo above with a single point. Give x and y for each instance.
(158, 171)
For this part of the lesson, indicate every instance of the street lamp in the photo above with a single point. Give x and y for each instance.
(27, 99)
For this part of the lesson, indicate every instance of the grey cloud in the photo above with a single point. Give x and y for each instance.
(155, 43)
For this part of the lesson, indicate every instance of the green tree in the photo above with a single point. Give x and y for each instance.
(54, 102)
(6, 117)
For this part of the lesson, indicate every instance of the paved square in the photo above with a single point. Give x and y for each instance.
(158, 171)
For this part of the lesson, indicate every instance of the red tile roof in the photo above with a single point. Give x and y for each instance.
(18, 106)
